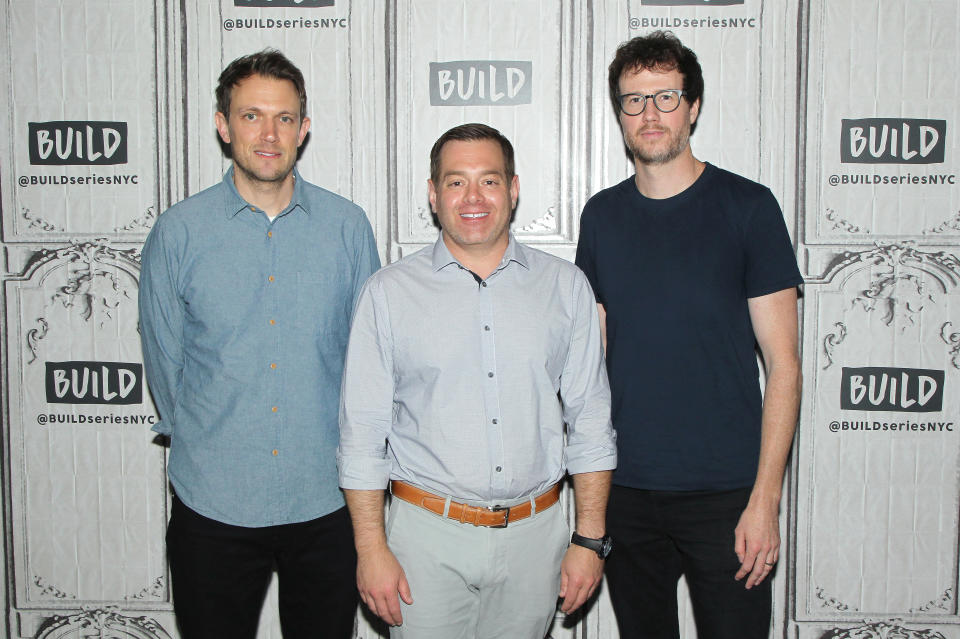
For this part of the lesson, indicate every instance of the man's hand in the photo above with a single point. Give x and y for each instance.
(580, 574)
(379, 579)
(757, 543)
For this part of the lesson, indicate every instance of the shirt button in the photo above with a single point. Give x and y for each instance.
(495, 421)
(274, 409)
(273, 365)
(269, 233)
(486, 328)
(275, 452)
(484, 284)
(272, 322)
(490, 374)
(270, 278)
(499, 469)
(253, 208)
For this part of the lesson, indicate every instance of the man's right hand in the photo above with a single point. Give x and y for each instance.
(379, 579)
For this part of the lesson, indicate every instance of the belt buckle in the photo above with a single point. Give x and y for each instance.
(500, 509)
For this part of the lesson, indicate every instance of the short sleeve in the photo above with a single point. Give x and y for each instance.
(585, 258)
(771, 264)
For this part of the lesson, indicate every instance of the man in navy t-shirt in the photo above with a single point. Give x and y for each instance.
(692, 268)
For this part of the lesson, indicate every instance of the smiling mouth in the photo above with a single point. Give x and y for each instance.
(267, 154)
(473, 216)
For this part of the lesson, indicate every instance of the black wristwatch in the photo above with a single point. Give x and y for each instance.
(601, 546)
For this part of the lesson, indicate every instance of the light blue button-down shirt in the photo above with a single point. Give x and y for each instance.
(463, 387)
(244, 324)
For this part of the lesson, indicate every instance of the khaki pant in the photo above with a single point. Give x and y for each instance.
(472, 582)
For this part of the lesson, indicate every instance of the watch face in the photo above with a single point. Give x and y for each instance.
(606, 545)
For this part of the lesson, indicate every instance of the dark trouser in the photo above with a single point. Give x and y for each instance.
(660, 535)
(220, 575)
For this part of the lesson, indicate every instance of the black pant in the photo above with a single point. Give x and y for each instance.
(220, 575)
(660, 535)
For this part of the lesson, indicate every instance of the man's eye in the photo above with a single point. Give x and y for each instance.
(286, 119)
(249, 116)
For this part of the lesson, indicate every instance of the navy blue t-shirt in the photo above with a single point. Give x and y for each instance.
(674, 276)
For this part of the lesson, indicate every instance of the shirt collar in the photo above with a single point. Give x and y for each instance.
(516, 252)
(234, 202)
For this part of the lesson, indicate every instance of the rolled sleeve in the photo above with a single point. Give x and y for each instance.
(161, 325)
(585, 391)
(366, 398)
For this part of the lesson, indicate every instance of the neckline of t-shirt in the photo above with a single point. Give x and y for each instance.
(675, 200)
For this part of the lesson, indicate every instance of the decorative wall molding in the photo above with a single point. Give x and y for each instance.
(941, 603)
(832, 602)
(156, 590)
(102, 623)
(953, 340)
(48, 590)
(882, 630)
(951, 224)
(546, 223)
(842, 224)
(832, 340)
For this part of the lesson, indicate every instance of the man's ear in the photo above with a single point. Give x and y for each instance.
(304, 128)
(694, 111)
(432, 191)
(221, 121)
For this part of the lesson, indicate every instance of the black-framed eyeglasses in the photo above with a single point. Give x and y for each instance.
(666, 100)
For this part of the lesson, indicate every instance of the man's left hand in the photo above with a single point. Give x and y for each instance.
(757, 543)
(580, 574)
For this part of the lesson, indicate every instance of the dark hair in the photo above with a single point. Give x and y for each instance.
(658, 51)
(470, 133)
(269, 63)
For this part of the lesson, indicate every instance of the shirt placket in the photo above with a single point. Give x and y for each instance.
(490, 385)
(276, 284)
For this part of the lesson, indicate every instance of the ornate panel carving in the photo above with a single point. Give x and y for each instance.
(879, 448)
(88, 486)
(103, 623)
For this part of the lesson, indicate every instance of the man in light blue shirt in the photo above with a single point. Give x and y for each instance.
(465, 361)
(245, 302)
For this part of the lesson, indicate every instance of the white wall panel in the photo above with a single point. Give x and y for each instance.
(898, 62)
(511, 65)
(87, 485)
(876, 532)
(90, 67)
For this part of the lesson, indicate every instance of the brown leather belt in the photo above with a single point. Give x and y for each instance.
(493, 516)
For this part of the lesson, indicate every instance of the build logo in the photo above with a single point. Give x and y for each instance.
(910, 390)
(77, 142)
(94, 383)
(483, 82)
(892, 141)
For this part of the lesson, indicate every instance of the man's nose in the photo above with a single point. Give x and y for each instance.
(473, 193)
(650, 112)
(268, 130)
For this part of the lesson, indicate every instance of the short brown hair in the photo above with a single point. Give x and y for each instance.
(269, 63)
(471, 132)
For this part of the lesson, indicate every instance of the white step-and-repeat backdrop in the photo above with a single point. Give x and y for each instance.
(847, 109)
